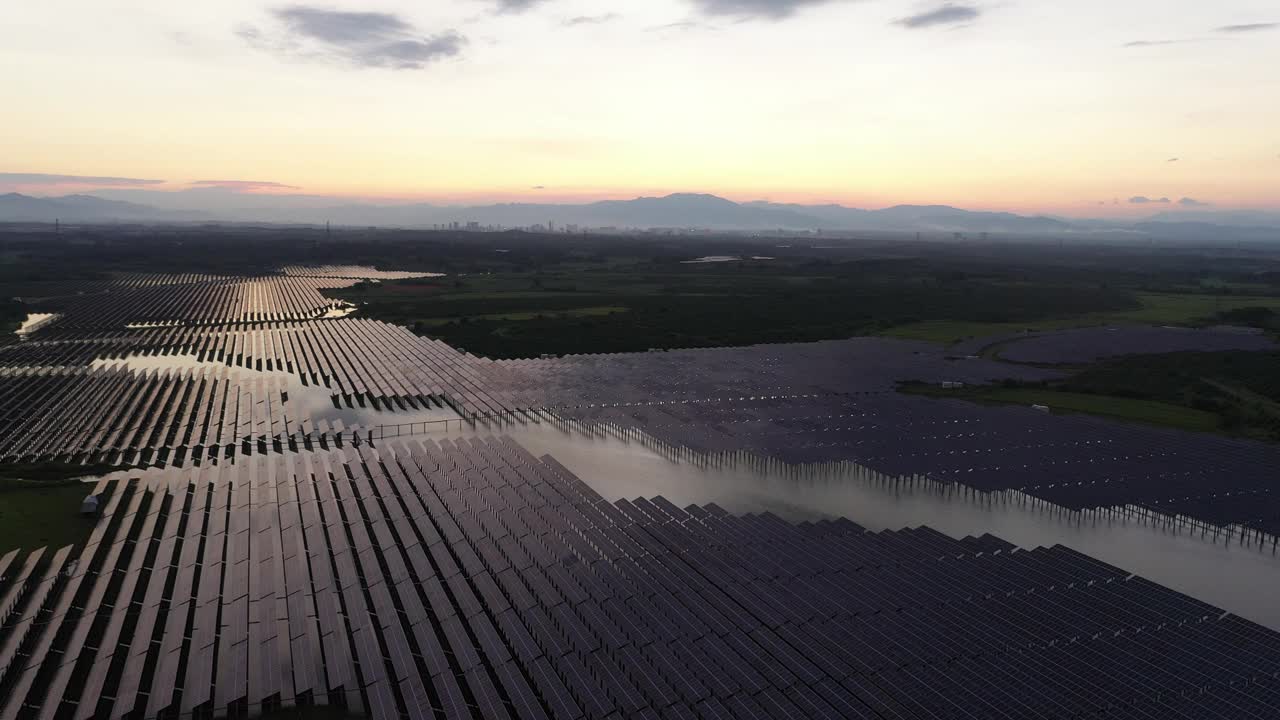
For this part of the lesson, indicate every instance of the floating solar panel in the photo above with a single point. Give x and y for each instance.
(707, 613)
(1087, 345)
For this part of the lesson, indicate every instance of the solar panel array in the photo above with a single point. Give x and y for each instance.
(837, 401)
(47, 289)
(1073, 461)
(63, 398)
(857, 365)
(121, 416)
(364, 360)
(798, 403)
(197, 300)
(358, 272)
(470, 579)
(72, 396)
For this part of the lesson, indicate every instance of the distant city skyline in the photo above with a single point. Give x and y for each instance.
(1077, 109)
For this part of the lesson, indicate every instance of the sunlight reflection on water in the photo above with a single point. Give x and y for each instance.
(1241, 579)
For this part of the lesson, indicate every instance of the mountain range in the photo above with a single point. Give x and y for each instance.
(680, 210)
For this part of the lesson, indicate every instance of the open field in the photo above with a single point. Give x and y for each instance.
(34, 514)
(40, 504)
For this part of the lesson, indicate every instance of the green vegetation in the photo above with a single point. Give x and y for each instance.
(419, 325)
(1263, 317)
(1153, 309)
(515, 294)
(611, 307)
(35, 514)
(51, 472)
(12, 314)
(1241, 388)
(40, 504)
(1235, 393)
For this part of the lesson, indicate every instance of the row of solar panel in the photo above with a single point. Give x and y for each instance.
(204, 300)
(113, 415)
(857, 365)
(471, 579)
(1074, 462)
(367, 359)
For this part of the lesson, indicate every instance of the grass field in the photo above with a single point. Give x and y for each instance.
(34, 514)
(1141, 411)
(1157, 309)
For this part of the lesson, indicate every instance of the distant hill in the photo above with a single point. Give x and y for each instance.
(15, 207)
(679, 210)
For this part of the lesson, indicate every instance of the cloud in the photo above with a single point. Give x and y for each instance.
(1143, 200)
(1192, 202)
(47, 179)
(515, 6)
(539, 187)
(751, 9)
(948, 14)
(1152, 43)
(360, 39)
(243, 185)
(680, 26)
(591, 19)
(1253, 27)
(1173, 160)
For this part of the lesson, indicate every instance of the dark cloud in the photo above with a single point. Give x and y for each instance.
(1173, 160)
(241, 185)
(342, 28)
(1192, 202)
(764, 9)
(1253, 27)
(46, 179)
(515, 6)
(591, 19)
(362, 39)
(948, 14)
(1144, 200)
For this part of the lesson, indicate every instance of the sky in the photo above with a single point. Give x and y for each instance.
(1084, 108)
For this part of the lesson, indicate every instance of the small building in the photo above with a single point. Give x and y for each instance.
(1041, 408)
(91, 506)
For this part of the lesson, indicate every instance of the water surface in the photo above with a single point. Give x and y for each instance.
(1242, 579)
